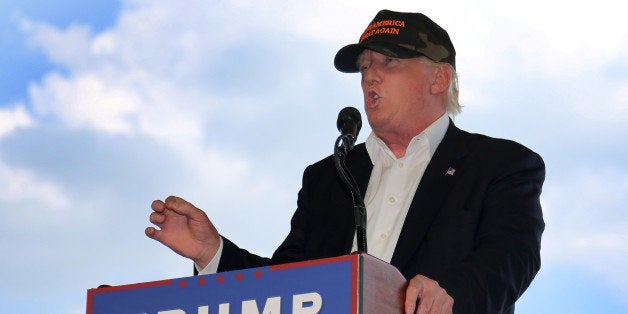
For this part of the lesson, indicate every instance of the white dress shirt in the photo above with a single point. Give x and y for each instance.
(390, 190)
(392, 186)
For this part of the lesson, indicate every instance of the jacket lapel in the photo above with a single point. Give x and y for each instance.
(430, 195)
(360, 165)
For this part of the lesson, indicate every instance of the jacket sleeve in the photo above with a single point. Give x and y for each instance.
(234, 258)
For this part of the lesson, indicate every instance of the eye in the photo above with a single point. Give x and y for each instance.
(363, 65)
(389, 60)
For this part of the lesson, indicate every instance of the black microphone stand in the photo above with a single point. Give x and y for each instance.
(343, 144)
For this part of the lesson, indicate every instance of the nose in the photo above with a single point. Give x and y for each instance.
(370, 76)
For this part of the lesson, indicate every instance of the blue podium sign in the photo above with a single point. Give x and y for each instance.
(319, 286)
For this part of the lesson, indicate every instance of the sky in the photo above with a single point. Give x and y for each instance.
(106, 106)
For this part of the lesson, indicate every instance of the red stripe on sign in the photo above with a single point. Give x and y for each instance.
(329, 260)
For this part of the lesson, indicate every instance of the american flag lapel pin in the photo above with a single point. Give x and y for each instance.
(450, 171)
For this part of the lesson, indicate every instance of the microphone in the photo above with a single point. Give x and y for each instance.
(349, 124)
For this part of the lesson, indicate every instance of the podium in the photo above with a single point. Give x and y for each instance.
(356, 283)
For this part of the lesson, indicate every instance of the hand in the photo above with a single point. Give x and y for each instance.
(185, 229)
(424, 295)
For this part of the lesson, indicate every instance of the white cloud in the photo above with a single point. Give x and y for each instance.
(17, 185)
(68, 47)
(126, 80)
(619, 101)
(587, 223)
(86, 101)
(561, 35)
(14, 118)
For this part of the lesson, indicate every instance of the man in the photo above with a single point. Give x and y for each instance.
(457, 213)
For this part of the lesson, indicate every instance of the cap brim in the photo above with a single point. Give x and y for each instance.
(346, 59)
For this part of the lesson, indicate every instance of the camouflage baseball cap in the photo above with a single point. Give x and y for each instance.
(399, 35)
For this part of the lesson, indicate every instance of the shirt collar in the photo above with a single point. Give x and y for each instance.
(433, 135)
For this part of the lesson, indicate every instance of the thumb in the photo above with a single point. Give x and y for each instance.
(153, 233)
(413, 292)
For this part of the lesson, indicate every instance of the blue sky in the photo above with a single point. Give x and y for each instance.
(108, 105)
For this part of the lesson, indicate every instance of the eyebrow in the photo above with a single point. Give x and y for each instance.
(359, 59)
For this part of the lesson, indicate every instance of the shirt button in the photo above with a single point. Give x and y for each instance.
(391, 200)
(400, 165)
(383, 236)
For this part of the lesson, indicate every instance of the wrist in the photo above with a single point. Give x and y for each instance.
(209, 254)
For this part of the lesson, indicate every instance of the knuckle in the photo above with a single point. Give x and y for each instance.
(450, 300)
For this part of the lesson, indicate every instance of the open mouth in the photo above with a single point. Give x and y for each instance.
(373, 96)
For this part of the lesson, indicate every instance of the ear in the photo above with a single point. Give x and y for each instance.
(441, 79)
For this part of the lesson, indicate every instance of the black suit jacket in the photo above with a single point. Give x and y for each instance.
(476, 231)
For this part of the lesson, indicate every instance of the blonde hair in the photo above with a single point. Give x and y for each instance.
(453, 105)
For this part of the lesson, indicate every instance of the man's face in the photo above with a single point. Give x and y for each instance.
(396, 92)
